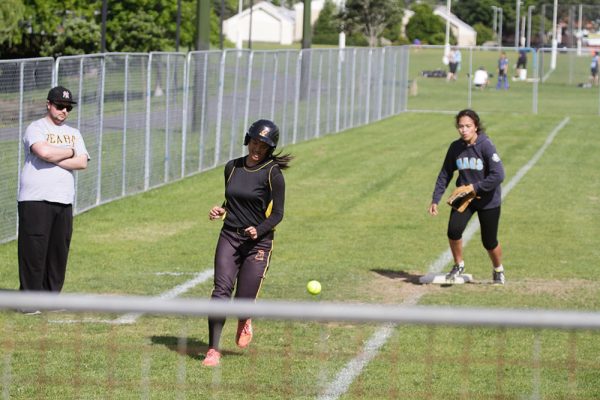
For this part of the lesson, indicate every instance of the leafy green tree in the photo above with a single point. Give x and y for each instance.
(425, 26)
(78, 36)
(474, 11)
(11, 13)
(132, 28)
(371, 17)
(326, 28)
(484, 33)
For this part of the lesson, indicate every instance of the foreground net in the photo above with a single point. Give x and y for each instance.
(100, 347)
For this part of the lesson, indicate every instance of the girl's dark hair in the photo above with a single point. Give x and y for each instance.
(471, 114)
(283, 160)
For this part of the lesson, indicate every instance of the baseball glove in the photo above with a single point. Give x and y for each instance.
(461, 197)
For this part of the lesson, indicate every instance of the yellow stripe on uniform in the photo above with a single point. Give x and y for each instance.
(262, 279)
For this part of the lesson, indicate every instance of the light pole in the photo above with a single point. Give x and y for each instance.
(178, 28)
(103, 30)
(517, 22)
(529, 9)
(495, 25)
(447, 47)
(580, 33)
(500, 27)
(554, 40)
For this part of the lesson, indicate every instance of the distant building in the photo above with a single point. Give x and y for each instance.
(281, 25)
(465, 35)
(270, 23)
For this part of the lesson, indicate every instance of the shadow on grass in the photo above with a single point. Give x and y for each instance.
(192, 348)
(403, 275)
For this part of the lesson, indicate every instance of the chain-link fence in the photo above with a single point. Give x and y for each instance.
(535, 88)
(24, 85)
(150, 119)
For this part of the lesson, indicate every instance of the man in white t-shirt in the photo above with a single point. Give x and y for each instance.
(53, 151)
(481, 78)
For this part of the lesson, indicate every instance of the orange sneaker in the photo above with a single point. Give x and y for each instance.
(243, 337)
(212, 358)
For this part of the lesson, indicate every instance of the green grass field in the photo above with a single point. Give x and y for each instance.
(559, 93)
(355, 220)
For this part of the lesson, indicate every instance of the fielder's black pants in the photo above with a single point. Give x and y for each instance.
(45, 231)
(240, 263)
(488, 219)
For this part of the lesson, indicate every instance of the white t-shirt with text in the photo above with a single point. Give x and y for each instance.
(42, 180)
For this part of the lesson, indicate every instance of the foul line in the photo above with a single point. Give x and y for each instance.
(354, 367)
(131, 318)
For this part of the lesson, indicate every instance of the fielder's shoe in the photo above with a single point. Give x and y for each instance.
(498, 278)
(212, 358)
(243, 336)
(456, 270)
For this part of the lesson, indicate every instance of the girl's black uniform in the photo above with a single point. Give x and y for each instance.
(254, 196)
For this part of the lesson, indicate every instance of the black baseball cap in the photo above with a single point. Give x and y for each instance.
(61, 95)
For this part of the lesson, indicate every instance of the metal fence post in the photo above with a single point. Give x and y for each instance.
(100, 133)
(297, 96)
(340, 61)
(319, 94)
(368, 89)
(167, 159)
(148, 108)
(381, 76)
(20, 142)
(219, 110)
(248, 88)
(274, 90)
(184, 118)
(125, 114)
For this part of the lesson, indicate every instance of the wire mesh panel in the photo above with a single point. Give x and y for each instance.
(568, 88)
(201, 112)
(165, 117)
(84, 76)
(284, 94)
(124, 122)
(24, 85)
(300, 350)
(235, 92)
(347, 82)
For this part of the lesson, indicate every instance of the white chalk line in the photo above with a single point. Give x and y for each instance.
(354, 367)
(131, 318)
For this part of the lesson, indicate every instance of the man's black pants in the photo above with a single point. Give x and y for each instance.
(45, 231)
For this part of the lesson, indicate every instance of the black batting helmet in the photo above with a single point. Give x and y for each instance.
(263, 130)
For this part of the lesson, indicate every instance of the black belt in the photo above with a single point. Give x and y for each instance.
(239, 231)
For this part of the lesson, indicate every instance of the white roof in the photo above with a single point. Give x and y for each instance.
(442, 11)
(280, 13)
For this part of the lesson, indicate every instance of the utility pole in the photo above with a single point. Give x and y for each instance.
(177, 35)
(306, 26)
(202, 43)
(203, 25)
(529, 9)
(517, 22)
(103, 39)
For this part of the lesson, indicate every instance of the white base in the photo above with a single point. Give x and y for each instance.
(440, 279)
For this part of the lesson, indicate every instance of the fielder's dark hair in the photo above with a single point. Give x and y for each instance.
(467, 112)
(283, 160)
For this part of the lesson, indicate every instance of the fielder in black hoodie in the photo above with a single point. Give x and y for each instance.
(478, 164)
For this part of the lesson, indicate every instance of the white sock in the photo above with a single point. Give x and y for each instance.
(499, 268)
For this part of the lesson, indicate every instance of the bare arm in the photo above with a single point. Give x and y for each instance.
(50, 153)
(75, 163)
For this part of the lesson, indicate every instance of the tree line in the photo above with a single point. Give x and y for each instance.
(32, 28)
